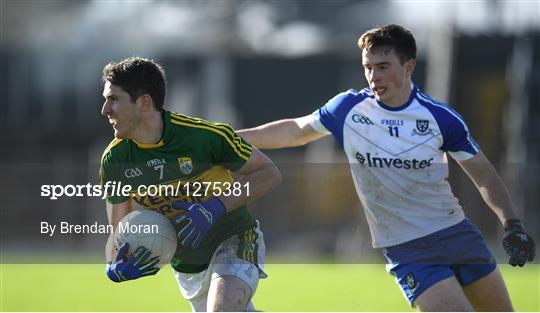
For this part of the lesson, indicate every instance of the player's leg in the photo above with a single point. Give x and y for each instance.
(477, 272)
(446, 295)
(236, 270)
(424, 270)
(228, 294)
(430, 287)
(489, 293)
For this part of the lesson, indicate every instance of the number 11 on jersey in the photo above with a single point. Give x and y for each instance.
(394, 131)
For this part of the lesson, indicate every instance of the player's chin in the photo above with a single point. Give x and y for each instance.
(382, 97)
(379, 97)
(119, 134)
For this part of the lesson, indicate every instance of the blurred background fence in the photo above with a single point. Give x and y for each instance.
(247, 63)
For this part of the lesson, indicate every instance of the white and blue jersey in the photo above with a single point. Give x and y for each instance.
(398, 160)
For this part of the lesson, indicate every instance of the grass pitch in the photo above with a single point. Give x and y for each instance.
(290, 287)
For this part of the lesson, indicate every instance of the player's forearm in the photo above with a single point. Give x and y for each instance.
(279, 134)
(490, 186)
(260, 182)
(496, 195)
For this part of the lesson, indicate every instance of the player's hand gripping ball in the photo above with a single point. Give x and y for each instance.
(136, 266)
(517, 243)
(193, 226)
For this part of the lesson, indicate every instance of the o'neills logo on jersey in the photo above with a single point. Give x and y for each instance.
(391, 162)
(155, 162)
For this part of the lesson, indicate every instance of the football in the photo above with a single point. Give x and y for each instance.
(149, 229)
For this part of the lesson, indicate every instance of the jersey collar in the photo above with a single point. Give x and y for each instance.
(402, 107)
(149, 145)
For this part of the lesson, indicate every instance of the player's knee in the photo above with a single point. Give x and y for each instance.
(231, 301)
(231, 295)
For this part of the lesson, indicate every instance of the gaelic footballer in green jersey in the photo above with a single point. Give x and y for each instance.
(220, 253)
(195, 158)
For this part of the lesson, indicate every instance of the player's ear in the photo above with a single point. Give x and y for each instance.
(145, 102)
(409, 67)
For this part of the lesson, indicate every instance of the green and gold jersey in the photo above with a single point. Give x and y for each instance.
(192, 162)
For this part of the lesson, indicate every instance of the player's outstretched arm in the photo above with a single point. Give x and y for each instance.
(516, 242)
(259, 173)
(281, 134)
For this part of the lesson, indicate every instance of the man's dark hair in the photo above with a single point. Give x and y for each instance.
(388, 37)
(138, 76)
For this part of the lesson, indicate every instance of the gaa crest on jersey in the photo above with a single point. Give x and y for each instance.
(422, 128)
(186, 166)
(422, 125)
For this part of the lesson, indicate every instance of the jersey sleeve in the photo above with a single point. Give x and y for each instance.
(314, 119)
(331, 116)
(458, 141)
(229, 149)
(108, 172)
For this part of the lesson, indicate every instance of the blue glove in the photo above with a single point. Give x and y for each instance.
(517, 244)
(197, 221)
(135, 267)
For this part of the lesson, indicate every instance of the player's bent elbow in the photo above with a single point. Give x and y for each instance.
(275, 176)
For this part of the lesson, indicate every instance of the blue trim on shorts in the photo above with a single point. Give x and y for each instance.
(459, 251)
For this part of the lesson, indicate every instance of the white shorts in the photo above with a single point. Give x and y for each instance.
(241, 256)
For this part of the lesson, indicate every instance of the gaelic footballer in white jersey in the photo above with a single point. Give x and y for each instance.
(397, 140)
(398, 159)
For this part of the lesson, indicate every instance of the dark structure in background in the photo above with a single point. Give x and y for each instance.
(54, 134)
